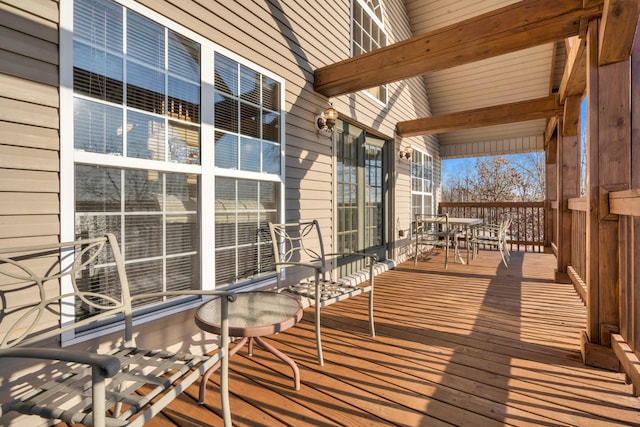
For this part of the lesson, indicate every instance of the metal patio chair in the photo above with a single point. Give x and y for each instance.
(299, 245)
(494, 235)
(434, 231)
(126, 386)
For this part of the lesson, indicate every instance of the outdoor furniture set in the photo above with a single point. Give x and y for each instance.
(40, 285)
(443, 231)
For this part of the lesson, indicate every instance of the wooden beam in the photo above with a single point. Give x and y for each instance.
(551, 129)
(571, 115)
(625, 202)
(488, 116)
(617, 30)
(515, 27)
(574, 78)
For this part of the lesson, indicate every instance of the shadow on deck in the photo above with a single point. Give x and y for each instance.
(475, 344)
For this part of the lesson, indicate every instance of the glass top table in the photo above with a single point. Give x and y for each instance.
(251, 316)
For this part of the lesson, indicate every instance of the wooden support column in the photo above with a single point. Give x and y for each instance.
(568, 165)
(551, 153)
(608, 169)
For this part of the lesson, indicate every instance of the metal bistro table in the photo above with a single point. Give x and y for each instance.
(251, 316)
(468, 224)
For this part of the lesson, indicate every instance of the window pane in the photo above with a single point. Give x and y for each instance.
(97, 127)
(226, 113)
(249, 154)
(226, 150)
(249, 120)
(97, 50)
(145, 64)
(143, 191)
(249, 85)
(270, 94)
(97, 73)
(183, 273)
(97, 189)
(184, 78)
(184, 57)
(271, 126)
(243, 209)
(226, 75)
(145, 88)
(270, 158)
(142, 236)
(145, 136)
(184, 143)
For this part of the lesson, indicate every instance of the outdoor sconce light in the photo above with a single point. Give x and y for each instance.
(326, 121)
(406, 153)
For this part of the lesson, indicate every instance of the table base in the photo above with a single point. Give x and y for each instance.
(236, 348)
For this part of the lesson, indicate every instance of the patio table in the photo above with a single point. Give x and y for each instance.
(468, 224)
(251, 316)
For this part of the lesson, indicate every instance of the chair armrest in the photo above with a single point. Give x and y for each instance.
(317, 266)
(108, 365)
(373, 257)
(230, 295)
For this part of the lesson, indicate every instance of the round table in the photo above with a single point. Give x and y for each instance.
(251, 316)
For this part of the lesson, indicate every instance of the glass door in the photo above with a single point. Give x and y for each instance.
(361, 188)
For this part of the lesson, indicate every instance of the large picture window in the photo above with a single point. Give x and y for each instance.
(175, 148)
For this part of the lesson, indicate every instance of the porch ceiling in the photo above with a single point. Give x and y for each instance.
(481, 59)
(525, 74)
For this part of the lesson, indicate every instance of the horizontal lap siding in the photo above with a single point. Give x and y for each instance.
(292, 39)
(29, 122)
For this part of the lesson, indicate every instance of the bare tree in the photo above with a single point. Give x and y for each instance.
(499, 179)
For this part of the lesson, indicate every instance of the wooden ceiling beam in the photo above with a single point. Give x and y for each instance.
(617, 30)
(574, 79)
(515, 27)
(540, 108)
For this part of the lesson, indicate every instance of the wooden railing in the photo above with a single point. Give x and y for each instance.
(579, 237)
(527, 231)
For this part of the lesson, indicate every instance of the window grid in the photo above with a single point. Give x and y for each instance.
(368, 33)
(421, 184)
(137, 132)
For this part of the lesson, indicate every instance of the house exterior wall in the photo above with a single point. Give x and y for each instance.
(289, 38)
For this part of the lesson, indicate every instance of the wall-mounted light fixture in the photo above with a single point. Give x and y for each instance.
(326, 121)
(405, 152)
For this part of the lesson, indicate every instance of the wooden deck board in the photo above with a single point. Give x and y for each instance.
(473, 345)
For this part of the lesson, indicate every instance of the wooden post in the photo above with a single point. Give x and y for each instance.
(607, 170)
(551, 152)
(568, 165)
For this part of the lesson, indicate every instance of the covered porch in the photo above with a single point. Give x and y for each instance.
(470, 345)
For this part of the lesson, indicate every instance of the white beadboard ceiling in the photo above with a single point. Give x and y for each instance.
(517, 76)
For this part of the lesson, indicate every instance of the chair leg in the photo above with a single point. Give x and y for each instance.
(502, 253)
(446, 254)
(371, 324)
(318, 338)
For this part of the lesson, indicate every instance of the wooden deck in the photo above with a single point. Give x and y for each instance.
(476, 345)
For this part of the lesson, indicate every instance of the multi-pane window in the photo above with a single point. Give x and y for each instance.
(247, 139)
(367, 34)
(145, 160)
(421, 183)
(136, 91)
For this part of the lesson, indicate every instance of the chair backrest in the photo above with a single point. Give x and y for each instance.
(426, 224)
(33, 307)
(505, 223)
(298, 243)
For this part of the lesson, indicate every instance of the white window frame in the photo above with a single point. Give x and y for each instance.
(69, 157)
(380, 23)
(425, 156)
